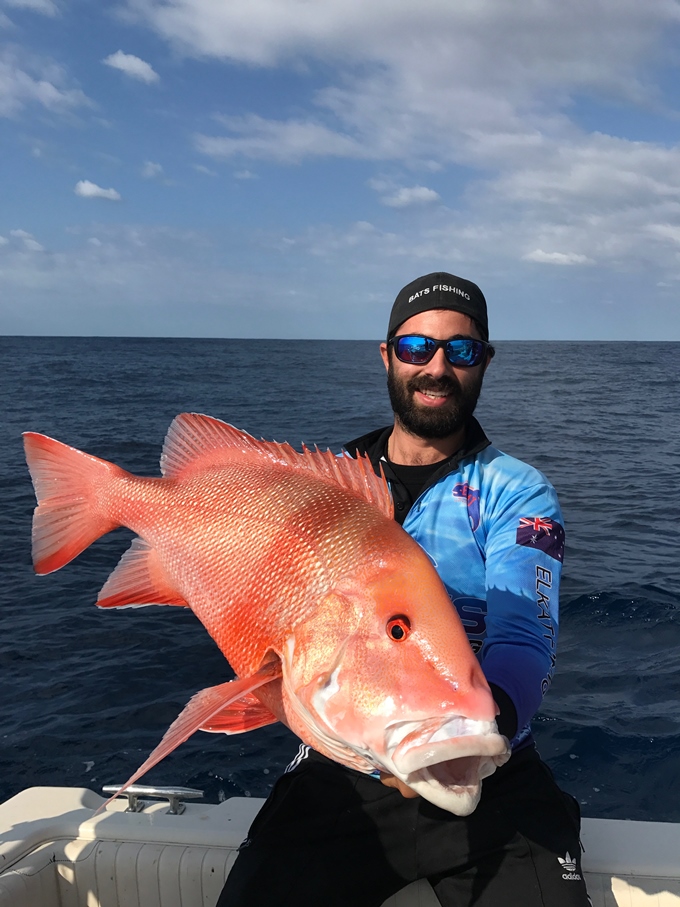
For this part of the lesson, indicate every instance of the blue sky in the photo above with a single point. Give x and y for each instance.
(266, 168)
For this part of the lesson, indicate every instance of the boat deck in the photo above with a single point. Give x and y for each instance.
(54, 852)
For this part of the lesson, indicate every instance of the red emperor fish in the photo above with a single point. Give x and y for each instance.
(332, 617)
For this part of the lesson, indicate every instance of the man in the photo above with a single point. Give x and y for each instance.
(329, 835)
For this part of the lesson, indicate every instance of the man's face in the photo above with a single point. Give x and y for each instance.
(434, 400)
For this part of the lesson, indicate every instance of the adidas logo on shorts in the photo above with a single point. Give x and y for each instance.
(302, 754)
(568, 864)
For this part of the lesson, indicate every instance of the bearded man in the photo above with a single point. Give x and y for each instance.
(331, 836)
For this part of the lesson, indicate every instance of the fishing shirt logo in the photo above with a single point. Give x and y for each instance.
(463, 490)
(472, 613)
(542, 533)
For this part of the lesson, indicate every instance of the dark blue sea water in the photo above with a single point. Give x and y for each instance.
(86, 694)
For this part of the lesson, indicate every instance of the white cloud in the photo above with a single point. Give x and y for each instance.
(150, 170)
(3, 241)
(520, 48)
(245, 175)
(408, 197)
(26, 79)
(46, 7)
(201, 168)
(489, 87)
(443, 82)
(665, 232)
(557, 258)
(578, 40)
(394, 196)
(86, 189)
(159, 281)
(285, 141)
(148, 281)
(132, 66)
(605, 170)
(27, 240)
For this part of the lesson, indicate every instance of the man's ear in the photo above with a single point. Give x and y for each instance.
(385, 354)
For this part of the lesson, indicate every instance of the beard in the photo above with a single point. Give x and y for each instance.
(439, 422)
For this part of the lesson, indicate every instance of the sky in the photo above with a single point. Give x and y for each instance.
(281, 168)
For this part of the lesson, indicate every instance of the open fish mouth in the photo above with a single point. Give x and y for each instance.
(454, 785)
(414, 746)
(461, 777)
(445, 762)
(461, 774)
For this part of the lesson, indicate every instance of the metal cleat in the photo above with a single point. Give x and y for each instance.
(174, 796)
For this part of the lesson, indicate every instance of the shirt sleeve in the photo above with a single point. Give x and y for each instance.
(524, 554)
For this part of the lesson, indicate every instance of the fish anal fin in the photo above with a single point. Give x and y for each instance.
(198, 712)
(246, 714)
(139, 580)
(195, 441)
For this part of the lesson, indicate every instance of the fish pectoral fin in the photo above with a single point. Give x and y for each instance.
(199, 710)
(139, 580)
(246, 714)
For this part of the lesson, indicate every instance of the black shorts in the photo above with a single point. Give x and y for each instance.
(329, 836)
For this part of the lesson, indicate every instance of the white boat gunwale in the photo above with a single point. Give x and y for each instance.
(627, 863)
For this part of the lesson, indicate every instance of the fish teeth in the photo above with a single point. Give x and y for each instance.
(397, 732)
(458, 726)
(462, 727)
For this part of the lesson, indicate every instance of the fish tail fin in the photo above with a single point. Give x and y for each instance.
(67, 485)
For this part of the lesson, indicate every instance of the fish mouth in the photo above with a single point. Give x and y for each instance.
(446, 762)
(414, 746)
(456, 775)
(454, 785)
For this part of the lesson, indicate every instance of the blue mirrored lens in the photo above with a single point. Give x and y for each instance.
(464, 352)
(415, 350)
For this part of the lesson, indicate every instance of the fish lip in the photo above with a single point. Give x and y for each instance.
(416, 745)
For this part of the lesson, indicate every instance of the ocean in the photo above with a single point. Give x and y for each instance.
(88, 693)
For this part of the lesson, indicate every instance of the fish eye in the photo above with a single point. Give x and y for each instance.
(398, 627)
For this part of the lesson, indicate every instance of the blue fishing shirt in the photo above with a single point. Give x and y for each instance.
(493, 528)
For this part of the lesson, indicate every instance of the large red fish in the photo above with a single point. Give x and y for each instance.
(332, 617)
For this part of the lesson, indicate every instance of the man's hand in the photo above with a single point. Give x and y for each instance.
(404, 789)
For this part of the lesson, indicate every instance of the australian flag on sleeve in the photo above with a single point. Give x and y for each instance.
(542, 533)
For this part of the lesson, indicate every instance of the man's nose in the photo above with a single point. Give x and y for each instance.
(438, 365)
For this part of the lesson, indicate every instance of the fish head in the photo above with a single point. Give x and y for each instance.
(387, 674)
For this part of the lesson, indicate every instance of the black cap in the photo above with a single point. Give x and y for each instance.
(439, 291)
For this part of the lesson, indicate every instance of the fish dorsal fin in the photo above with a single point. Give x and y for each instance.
(196, 442)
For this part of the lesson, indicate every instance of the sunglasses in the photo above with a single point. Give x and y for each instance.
(418, 350)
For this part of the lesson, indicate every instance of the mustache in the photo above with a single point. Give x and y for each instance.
(443, 385)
